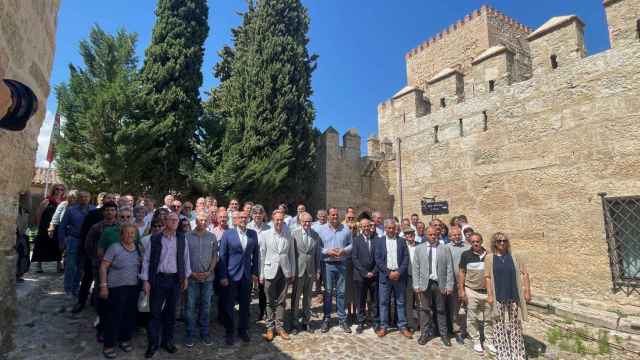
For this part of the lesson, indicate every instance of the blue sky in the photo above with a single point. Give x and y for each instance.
(361, 44)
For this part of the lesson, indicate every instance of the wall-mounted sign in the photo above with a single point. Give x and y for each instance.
(434, 207)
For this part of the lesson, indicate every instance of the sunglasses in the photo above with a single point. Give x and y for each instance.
(156, 226)
(502, 241)
(125, 217)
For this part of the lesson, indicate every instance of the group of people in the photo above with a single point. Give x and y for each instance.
(150, 265)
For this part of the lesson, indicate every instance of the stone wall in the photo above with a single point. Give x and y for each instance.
(529, 157)
(27, 43)
(346, 179)
(623, 17)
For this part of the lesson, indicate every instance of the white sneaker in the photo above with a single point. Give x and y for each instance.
(477, 347)
(492, 349)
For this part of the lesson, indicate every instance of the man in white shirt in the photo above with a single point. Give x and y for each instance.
(432, 281)
(410, 300)
(392, 263)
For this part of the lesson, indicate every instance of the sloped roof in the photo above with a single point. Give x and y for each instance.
(492, 51)
(552, 24)
(443, 74)
(40, 177)
(405, 90)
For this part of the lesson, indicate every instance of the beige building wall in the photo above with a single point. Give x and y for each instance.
(530, 158)
(27, 44)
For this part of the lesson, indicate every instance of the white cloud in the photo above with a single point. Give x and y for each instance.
(43, 139)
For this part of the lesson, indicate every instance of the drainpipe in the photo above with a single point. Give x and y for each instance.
(399, 171)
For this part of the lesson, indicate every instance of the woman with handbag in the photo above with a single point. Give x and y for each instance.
(119, 286)
(508, 291)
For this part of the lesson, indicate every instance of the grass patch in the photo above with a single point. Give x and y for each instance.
(603, 342)
(574, 342)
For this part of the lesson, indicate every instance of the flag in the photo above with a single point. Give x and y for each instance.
(55, 132)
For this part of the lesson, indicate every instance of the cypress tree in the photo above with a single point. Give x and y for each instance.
(267, 148)
(97, 107)
(170, 79)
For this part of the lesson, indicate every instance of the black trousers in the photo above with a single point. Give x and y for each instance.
(121, 308)
(239, 291)
(367, 289)
(262, 301)
(433, 295)
(165, 290)
(87, 279)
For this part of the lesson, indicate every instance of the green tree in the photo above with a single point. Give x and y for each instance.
(267, 151)
(170, 79)
(97, 107)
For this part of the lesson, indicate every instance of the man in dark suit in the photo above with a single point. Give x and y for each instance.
(392, 263)
(239, 267)
(365, 275)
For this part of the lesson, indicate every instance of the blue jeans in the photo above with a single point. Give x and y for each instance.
(398, 287)
(198, 293)
(71, 270)
(334, 278)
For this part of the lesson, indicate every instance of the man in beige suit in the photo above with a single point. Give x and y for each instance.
(306, 242)
(277, 268)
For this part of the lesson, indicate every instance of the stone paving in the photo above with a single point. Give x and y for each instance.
(47, 330)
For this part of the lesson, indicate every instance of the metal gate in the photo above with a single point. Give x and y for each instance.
(622, 229)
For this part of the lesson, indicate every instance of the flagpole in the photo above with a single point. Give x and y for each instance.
(46, 180)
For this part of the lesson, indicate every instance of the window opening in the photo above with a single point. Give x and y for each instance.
(554, 62)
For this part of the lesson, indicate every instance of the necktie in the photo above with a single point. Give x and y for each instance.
(430, 258)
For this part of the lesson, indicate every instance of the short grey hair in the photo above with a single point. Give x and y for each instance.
(389, 221)
(257, 208)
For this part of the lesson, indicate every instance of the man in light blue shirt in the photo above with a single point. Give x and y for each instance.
(335, 247)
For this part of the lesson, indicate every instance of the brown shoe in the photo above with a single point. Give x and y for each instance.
(283, 334)
(406, 333)
(381, 332)
(268, 336)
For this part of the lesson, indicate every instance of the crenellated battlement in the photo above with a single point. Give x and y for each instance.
(461, 23)
(436, 82)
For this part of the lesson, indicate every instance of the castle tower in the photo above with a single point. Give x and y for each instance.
(623, 17)
(558, 42)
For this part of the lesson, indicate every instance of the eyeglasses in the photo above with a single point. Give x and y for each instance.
(156, 226)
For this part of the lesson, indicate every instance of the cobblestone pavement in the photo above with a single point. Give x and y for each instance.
(47, 330)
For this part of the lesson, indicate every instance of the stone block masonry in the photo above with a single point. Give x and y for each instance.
(27, 43)
(522, 145)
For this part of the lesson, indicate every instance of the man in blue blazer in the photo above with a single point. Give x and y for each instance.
(392, 263)
(239, 267)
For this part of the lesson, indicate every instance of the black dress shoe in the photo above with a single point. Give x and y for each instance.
(171, 349)
(325, 326)
(228, 340)
(244, 337)
(294, 329)
(345, 327)
(445, 341)
(151, 350)
(77, 308)
(460, 339)
(359, 329)
(424, 339)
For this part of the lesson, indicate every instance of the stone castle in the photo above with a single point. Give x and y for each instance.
(518, 129)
